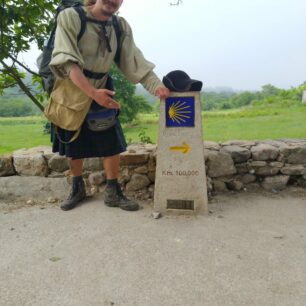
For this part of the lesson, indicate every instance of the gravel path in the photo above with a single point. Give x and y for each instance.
(250, 250)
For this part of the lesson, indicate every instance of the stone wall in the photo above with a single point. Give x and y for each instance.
(233, 165)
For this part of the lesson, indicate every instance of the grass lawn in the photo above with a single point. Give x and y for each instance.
(244, 124)
(23, 132)
(281, 123)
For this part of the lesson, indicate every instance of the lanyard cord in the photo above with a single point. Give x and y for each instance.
(106, 37)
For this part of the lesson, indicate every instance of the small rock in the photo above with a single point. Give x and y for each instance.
(279, 237)
(54, 259)
(94, 190)
(96, 178)
(262, 152)
(248, 178)
(92, 164)
(156, 215)
(52, 200)
(219, 186)
(275, 182)
(30, 202)
(141, 170)
(58, 163)
(137, 182)
(234, 185)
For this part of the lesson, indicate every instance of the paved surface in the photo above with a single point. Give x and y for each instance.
(249, 251)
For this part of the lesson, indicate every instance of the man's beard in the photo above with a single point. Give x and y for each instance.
(107, 13)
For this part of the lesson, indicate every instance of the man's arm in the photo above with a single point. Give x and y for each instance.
(135, 67)
(101, 96)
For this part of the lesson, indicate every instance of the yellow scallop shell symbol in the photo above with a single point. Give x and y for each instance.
(178, 112)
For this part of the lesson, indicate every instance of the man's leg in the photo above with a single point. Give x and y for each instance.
(78, 192)
(113, 193)
(76, 167)
(111, 166)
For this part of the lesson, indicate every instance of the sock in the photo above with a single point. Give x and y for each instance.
(113, 182)
(77, 179)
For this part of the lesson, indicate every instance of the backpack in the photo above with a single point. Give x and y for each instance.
(48, 79)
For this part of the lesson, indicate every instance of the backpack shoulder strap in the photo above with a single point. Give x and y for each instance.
(116, 23)
(83, 19)
(118, 30)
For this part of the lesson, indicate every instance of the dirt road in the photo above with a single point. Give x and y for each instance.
(250, 250)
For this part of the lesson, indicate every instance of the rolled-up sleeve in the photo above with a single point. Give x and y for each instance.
(133, 64)
(66, 51)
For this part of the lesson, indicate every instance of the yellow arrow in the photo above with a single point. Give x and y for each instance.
(184, 148)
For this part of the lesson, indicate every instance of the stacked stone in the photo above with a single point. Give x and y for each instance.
(233, 165)
(273, 164)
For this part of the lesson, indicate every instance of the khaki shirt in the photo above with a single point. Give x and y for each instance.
(91, 51)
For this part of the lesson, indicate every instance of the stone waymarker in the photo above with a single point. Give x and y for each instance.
(180, 184)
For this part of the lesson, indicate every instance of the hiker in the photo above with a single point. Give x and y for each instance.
(86, 63)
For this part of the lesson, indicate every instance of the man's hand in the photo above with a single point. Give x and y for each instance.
(162, 92)
(104, 97)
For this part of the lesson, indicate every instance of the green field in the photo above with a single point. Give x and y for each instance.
(239, 124)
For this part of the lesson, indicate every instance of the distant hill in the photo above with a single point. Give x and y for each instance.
(140, 91)
(15, 103)
(219, 89)
(16, 92)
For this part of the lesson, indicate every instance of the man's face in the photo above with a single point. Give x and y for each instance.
(109, 7)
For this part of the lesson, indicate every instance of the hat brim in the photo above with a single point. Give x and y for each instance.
(182, 85)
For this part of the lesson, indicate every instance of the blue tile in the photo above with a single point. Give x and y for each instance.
(180, 112)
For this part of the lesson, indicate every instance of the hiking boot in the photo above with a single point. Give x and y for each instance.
(77, 194)
(113, 197)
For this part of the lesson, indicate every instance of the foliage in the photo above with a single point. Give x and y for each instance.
(143, 137)
(269, 90)
(215, 100)
(16, 108)
(268, 95)
(22, 23)
(47, 128)
(131, 104)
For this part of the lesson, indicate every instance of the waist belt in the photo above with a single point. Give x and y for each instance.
(94, 75)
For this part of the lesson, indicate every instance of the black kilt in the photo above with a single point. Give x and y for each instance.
(89, 144)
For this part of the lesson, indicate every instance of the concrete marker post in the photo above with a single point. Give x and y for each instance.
(180, 184)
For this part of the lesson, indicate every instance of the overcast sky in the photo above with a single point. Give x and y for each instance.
(242, 44)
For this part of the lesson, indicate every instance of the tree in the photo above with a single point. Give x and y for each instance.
(269, 90)
(243, 99)
(15, 108)
(131, 104)
(22, 22)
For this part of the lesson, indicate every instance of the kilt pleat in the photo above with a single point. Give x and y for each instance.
(89, 143)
